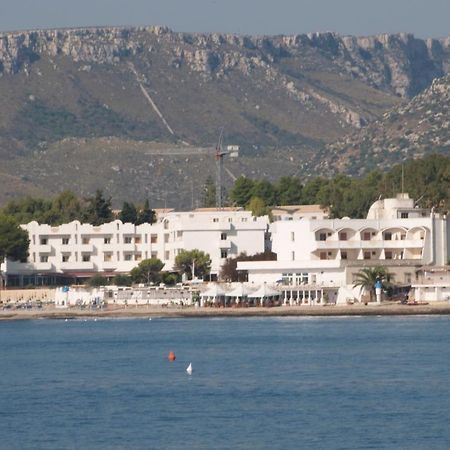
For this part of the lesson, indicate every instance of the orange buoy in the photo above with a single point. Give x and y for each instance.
(171, 356)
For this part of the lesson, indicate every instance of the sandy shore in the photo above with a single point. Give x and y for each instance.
(387, 309)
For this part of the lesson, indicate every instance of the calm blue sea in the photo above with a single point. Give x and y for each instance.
(258, 383)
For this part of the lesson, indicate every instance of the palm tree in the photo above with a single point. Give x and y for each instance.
(366, 279)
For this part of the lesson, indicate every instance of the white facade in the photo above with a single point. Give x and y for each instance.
(81, 250)
(433, 284)
(329, 253)
(297, 212)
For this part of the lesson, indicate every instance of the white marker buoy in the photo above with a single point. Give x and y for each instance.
(189, 369)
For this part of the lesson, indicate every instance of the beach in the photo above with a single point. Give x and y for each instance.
(384, 309)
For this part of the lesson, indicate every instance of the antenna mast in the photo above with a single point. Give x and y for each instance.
(220, 153)
(233, 152)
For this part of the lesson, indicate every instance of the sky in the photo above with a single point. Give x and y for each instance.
(424, 18)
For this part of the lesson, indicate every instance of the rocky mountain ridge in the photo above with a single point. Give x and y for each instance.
(386, 61)
(108, 93)
(412, 130)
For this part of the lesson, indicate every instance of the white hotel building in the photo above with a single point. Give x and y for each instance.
(75, 250)
(317, 260)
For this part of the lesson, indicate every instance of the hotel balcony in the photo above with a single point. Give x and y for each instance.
(69, 265)
(43, 266)
(383, 262)
(368, 245)
(43, 248)
(75, 266)
(86, 248)
(108, 265)
(226, 243)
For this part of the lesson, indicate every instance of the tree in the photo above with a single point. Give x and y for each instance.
(28, 209)
(289, 191)
(229, 272)
(122, 280)
(99, 209)
(97, 281)
(147, 271)
(258, 207)
(146, 215)
(366, 279)
(65, 208)
(128, 214)
(264, 189)
(195, 260)
(14, 242)
(170, 278)
(209, 194)
(241, 193)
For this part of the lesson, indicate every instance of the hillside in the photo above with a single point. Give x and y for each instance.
(137, 111)
(413, 130)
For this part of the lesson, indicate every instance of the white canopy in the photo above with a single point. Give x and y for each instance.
(214, 290)
(264, 291)
(239, 291)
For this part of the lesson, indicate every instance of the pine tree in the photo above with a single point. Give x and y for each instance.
(146, 215)
(128, 213)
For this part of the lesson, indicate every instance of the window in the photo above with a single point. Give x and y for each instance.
(85, 241)
(107, 240)
(292, 236)
(322, 236)
(138, 257)
(154, 254)
(293, 256)
(107, 257)
(127, 240)
(388, 255)
(44, 258)
(402, 236)
(244, 219)
(137, 240)
(166, 255)
(166, 238)
(86, 258)
(404, 215)
(154, 239)
(128, 257)
(223, 236)
(323, 255)
(343, 255)
(65, 258)
(223, 253)
(65, 241)
(230, 219)
(388, 236)
(366, 255)
(366, 236)
(313, 278)
(343, 236)
(215, 219)
(287, 278)
(408, 278)
(44, 241)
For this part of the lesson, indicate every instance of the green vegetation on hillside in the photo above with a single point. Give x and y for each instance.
(67, 207)
(38, 121)
(426, 180)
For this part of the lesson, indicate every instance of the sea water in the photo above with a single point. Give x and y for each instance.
(257, 383)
